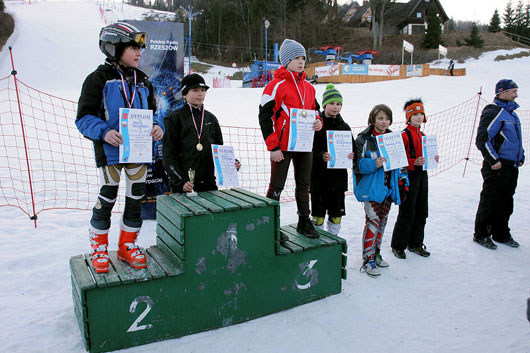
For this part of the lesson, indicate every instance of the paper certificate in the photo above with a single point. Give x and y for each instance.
(339, 147)
(224, 162)
(392, 148)
(301, 131)
(430, 151)
(135, 129)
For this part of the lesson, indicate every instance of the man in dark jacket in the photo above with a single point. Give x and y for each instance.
(499, 140)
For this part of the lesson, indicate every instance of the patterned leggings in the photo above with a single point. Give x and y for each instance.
(376, 219)
(110, 176)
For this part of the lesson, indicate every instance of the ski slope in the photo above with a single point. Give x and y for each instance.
(464, 298)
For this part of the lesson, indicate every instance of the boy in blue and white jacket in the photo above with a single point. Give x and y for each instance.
(116, 84)
(374, 187)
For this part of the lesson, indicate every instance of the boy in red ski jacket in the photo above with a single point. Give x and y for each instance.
(289, 90)
(413, 211)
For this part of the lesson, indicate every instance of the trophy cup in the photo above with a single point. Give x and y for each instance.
(191, 176)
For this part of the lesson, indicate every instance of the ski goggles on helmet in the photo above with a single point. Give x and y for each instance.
(140, 38)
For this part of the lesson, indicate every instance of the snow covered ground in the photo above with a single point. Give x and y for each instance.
(464, 298)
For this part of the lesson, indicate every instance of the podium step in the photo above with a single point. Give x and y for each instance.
(217, 262)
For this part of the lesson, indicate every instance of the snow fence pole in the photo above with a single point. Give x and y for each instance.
(479, 95)
(14, 73)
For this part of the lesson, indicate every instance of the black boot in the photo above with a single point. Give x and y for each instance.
(306, 228)
(420, 250)
(485, 242)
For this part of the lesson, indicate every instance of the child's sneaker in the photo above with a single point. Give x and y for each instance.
(129, 252)
(379, 261)
(371, 269)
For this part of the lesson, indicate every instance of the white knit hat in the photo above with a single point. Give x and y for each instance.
(289, 50)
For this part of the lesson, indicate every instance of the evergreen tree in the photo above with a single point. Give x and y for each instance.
(433, 36)
(509, 18)
(527, 20)
(519, 18)
(495, 23)
(2, 6)
(474, 39)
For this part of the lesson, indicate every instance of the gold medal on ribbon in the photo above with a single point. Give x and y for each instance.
(199, 146)
(304, 113)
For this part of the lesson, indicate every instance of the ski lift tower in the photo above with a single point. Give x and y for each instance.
(189, 12)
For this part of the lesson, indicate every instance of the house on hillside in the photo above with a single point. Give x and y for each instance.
(411, 17)
(401, 17)
(361, 17)
(347, 11)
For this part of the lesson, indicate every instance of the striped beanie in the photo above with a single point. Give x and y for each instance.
(289, 50)
(331, 94)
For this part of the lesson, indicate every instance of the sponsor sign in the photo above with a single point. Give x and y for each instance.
(355, 69)
(383, 70)
(330, 70)
(163, 62)
(414, 70)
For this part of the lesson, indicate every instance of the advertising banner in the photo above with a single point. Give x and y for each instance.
(330, 70)
(414, 70)
(163, 62)
(360, 70)
(383, 70)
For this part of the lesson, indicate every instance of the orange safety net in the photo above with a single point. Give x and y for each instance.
(41, 143)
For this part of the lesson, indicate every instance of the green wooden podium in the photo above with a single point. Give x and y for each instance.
(217, 262)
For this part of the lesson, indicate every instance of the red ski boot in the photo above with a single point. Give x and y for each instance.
(100, 256)
(129, 252)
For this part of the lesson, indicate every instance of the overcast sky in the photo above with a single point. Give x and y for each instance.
(475, 10)
(468, 10)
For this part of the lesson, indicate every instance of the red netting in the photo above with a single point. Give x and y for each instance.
(60, 162)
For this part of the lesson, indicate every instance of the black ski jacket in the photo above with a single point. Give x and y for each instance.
(179, 147)
(322, 178)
